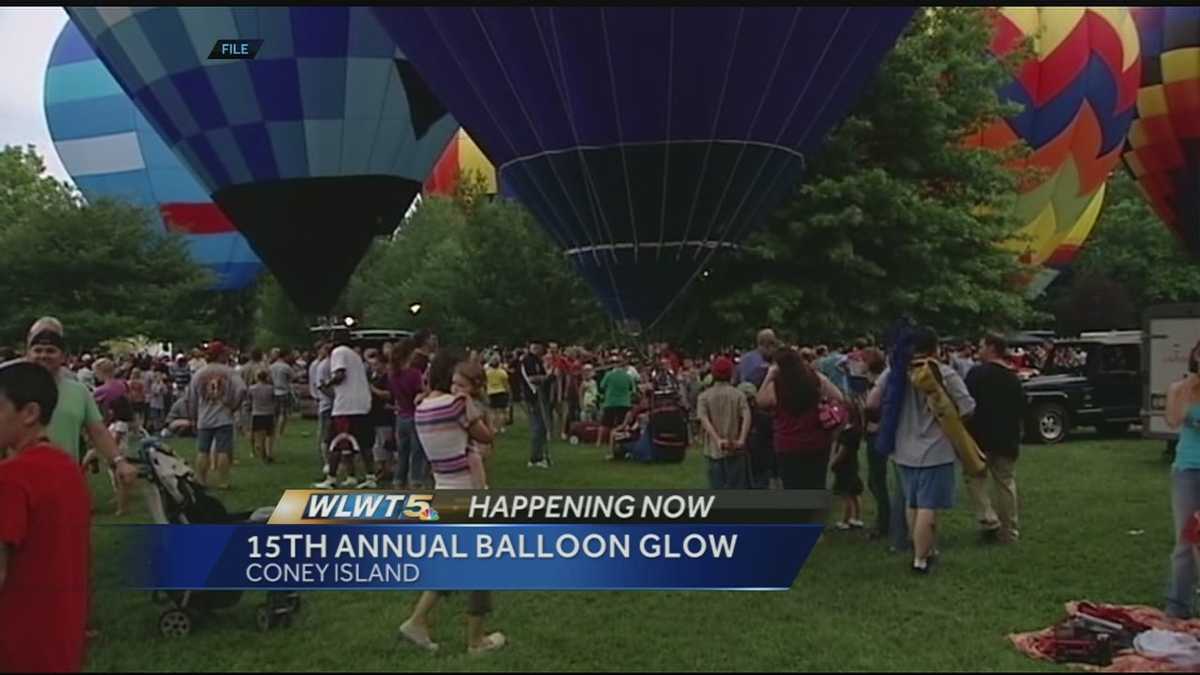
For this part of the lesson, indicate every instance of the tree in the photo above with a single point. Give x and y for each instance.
(26, 190)
(101, 270)
(482, 272)
(1132, 248)
(1094, 302)
(896, 215)
(231, 316)
(280, 322)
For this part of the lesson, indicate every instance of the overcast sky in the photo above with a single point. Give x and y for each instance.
(26, 36)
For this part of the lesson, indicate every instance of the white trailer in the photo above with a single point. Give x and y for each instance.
(1169, 333)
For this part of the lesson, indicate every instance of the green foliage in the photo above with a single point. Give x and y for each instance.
(280, 323)
(895, 215)
(1133, 248)
(230, 315)
(1094, 301)
(101, 270)
(25, 190)
(482, 272)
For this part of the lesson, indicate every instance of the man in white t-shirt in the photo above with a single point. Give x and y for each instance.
(353, 433)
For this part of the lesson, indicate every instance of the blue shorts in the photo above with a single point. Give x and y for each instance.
(930, 487)
(219, 440)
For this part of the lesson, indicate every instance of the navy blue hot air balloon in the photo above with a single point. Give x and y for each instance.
(312, 149)
(646, 138)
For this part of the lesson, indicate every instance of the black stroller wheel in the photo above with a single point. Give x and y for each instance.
(265, 618)
(174, 623)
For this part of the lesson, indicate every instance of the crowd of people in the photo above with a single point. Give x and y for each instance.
(795, 417)
(417, 415)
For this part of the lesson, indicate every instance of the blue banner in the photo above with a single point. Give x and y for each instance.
(431, 556)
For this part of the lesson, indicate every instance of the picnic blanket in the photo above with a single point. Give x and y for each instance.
(1036, 644)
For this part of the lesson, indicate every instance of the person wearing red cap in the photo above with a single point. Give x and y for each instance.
(214, 396)
(725, 416)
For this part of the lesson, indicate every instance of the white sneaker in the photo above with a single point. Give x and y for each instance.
(350, 482)
(408, 632)
(543, 464)
(328, 484)
(490, 643)
(368, 484)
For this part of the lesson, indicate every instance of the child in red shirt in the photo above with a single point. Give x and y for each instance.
(45, 532)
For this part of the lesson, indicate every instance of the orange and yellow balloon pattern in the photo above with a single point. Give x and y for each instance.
(1078, 93)
(461, 157)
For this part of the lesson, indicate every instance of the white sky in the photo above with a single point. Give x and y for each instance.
(27, 35)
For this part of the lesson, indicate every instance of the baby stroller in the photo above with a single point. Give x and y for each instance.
(177, 499)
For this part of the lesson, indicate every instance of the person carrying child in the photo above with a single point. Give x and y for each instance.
(445, 427)
(470, 382)
(45, 532)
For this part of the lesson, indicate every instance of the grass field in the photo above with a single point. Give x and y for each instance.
(854, 606)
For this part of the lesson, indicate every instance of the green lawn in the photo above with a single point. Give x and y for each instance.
(854, 606)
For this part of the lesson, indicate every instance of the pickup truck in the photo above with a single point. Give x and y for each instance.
(1094, 380)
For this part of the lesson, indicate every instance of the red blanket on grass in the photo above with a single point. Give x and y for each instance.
(1036, 644)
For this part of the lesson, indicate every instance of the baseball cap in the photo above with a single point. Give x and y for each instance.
(722, 368)
(216, 348)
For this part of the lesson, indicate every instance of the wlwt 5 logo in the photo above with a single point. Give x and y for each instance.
(370, 507)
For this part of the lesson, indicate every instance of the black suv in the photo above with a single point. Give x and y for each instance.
(1094, 381)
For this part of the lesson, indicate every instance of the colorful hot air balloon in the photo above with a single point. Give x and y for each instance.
(460, 157)
(111, 151)
(1078, 95)
(1163, 150)
(646, 138)
(312, 148)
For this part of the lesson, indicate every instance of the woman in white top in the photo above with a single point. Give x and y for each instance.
(445, 429)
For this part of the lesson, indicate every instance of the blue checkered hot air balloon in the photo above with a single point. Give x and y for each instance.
(646, 138)
(110, 150)
(312, 149)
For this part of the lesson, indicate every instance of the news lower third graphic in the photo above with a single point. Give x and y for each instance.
(498, 540)
(235, 49)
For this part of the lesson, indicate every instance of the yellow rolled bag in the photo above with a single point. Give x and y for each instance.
(926, 377)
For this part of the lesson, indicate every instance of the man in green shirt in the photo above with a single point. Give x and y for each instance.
(76, 412)
(617, 389)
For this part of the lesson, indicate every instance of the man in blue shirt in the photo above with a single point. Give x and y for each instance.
(752, 366)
